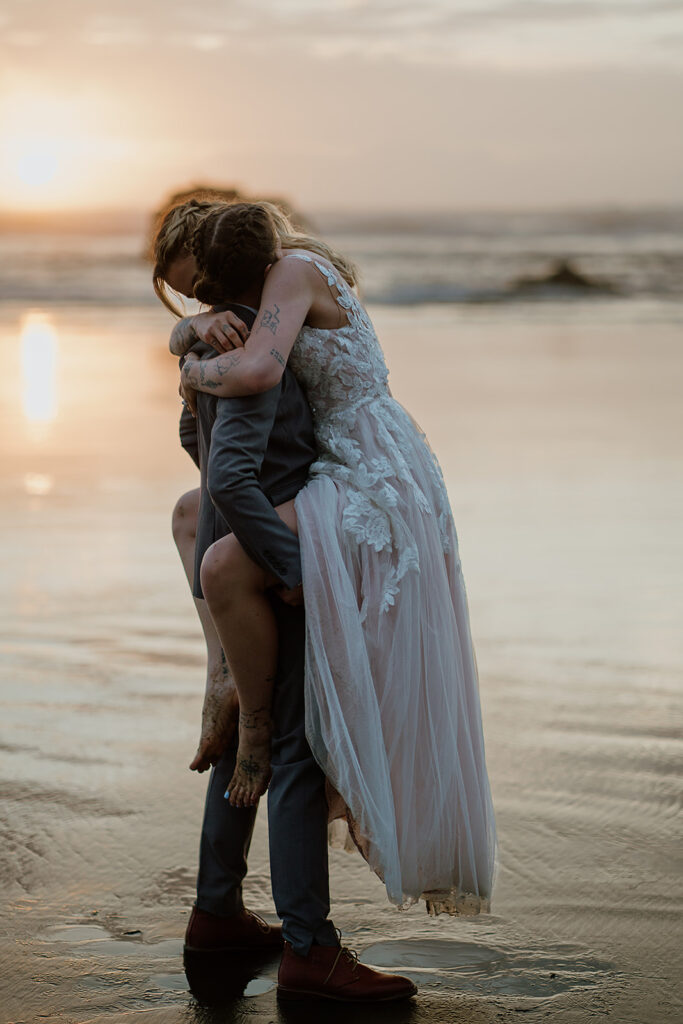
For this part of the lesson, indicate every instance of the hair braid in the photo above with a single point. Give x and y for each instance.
(171, 241)
(232, 243)
(232, 247)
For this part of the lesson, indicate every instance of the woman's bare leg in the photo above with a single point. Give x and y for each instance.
(221, 707)
(235, 590)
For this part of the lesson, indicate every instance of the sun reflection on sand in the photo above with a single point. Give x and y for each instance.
(39, 351)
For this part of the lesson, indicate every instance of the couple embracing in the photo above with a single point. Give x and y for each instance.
(323, 558)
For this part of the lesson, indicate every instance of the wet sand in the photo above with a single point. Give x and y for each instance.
(559, 434)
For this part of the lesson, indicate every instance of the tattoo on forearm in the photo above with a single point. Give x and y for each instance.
(226, 362)
(278, 355)
(198, 373)
(203, 380)
(271, 319)
(183, 336)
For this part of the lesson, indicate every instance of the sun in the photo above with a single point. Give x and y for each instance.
(36, 169)
(46, 145)
(62, 151)
(36, 163)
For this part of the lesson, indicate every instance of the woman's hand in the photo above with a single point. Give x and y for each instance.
(223, 331)
(257, 366)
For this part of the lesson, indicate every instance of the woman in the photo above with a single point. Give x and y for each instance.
(392, 696)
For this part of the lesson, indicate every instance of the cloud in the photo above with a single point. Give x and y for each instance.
(26, 38)
(404, 115)
(549, 11)
(487, 32)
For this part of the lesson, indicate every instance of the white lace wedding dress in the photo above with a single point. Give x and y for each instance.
(392, 700)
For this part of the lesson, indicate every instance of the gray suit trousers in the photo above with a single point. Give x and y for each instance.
(254, 452)
(297, 815)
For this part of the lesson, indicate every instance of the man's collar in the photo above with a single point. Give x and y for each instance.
(240, 304)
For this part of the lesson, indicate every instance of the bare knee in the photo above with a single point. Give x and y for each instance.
(227, 571)
(184, 519)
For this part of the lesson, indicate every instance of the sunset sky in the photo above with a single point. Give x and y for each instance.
(342, 104)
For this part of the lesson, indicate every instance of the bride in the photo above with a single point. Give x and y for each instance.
(393, 713)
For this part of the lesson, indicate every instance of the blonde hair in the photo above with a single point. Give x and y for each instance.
(290, 238)
(172, 240)
(179, 226)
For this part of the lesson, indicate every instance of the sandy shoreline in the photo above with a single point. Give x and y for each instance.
(560, 446)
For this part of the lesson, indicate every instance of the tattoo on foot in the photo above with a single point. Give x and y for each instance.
(250, 767)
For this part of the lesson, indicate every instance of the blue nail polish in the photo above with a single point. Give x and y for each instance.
(226, 795)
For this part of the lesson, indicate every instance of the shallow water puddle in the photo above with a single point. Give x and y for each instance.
(78, 933)
(259, 986)
(94, 940)
(487, 969)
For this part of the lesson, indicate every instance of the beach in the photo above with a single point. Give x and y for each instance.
(558, 428)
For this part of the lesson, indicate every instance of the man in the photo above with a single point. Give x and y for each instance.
(254, 452)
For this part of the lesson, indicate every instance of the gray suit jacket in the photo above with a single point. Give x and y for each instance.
(253, 453)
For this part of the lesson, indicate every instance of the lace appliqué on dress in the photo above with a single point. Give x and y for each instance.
(345, 377)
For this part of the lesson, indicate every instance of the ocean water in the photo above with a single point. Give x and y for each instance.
(558, 423)
(470, 258)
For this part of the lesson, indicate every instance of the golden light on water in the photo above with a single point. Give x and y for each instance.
(38, 484)
(39, 353)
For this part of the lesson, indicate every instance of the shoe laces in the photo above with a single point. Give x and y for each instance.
(349, 954)
(263, 925)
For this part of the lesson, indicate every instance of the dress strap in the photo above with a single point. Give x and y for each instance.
(329, 274)
(296, 255)
(345, 297)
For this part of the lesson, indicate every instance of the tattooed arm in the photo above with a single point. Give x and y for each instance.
(287, 298)
(183, 336)
(223, 331)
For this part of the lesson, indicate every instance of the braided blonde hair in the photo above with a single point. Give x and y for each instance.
(191, 228)
(172, 241)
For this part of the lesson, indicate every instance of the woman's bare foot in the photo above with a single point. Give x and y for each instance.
(252, 767)
(220, 715)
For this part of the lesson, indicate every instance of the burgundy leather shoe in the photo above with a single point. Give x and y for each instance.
(208, 933)
(334, 972)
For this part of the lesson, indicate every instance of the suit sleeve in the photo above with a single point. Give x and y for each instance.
(238, 444)
(188, 435)
(189, 438)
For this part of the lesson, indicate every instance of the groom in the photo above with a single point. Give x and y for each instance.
(254, 452)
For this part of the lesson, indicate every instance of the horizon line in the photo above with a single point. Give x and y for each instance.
(9, 215)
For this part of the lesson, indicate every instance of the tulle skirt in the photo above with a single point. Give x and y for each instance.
(392, 702)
